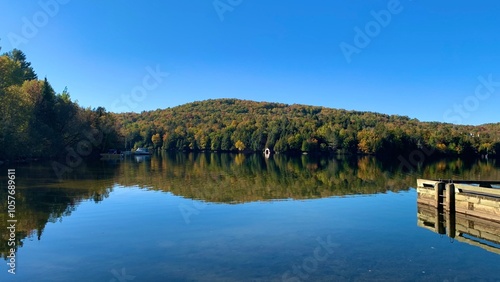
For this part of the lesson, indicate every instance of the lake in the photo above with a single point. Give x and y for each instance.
(235, 217)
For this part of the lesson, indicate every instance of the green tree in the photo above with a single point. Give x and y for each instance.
(240, 145)
(19, 57)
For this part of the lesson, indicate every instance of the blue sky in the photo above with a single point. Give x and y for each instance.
(430, 60)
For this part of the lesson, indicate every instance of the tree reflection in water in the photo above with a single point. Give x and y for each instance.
(217, 178)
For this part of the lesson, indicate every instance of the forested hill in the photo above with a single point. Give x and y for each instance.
(38, 122)
(231, 125)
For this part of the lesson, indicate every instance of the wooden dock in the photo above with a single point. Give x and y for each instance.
(477, 198)
(461, 227)
(466, 211)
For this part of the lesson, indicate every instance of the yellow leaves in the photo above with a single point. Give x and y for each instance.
(240, 145)
(239, 159)
(486, 147)
(367, 169)
(179, 130)
(32, 91)
(156, 139)
(368, 141)
(441, 147)
(10, 72)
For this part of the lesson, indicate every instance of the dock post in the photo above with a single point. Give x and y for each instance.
(451, 226)
(450, 197)
(450, 206)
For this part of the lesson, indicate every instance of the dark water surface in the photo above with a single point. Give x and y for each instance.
(223, 217)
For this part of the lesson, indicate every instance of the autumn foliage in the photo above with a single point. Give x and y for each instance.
(37, 122)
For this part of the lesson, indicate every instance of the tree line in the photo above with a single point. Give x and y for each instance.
(37, 122)
(241, 125)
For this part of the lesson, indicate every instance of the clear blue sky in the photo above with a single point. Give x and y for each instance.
(423, 62)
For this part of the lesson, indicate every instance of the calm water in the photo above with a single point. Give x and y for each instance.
(222, 217)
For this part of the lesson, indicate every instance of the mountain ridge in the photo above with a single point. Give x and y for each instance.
(230, 124)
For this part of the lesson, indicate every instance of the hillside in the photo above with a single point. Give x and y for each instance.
(37, 122)
(241, 125)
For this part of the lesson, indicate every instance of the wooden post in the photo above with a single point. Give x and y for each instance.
(451, 226)
(450, 206)
(450, 197)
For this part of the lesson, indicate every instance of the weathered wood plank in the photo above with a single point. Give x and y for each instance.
(425, 224)
(490, 202)
(426, 183)
(479, 182)
(425, 190)
(485, 229)
(432, 182)
(430, 202)
(479, 214)
(478, 244)
(479, 190)
(477, 206)
(478, 234)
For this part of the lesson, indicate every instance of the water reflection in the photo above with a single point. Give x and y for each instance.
(464, 228)
(465, 212)
(140, 159)
(218, 178)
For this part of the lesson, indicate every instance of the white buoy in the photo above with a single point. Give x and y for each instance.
(267, 152)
